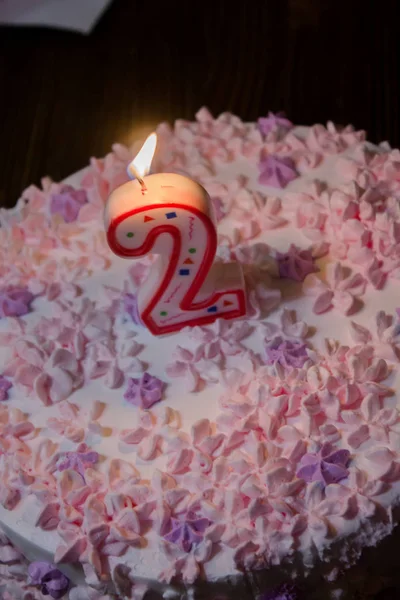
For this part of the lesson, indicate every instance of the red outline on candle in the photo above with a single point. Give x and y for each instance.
(187, 303)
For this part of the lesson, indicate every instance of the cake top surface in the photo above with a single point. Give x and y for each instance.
(225, 447)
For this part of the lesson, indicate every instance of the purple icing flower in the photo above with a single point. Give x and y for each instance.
(5, 385)
(274, 122)
(80, 460)
(144, 392)
(397, 325)
(277, 172)
(187, 530)
(285, 591)
(326, 466)
(67, 203)
(52, 581)
(131, 307)
(15, 301)
(295, 264)
(219, 208)
(288, 353)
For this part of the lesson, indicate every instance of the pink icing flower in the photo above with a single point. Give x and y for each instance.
(115, 524)
(354, 363)
(333, 139)
(15, 454)
(326, 466)
(51, 373)
(17, 328)
(319, 507)
(67, 203)
(277, 171)
(246, 406)
(153, 433)
(102, 177)
(356, 496)
(310, 211)
(340, 291)
(224, 196)
(222, 337)
(140, 270)
(271, 215)
(101, 361)
(15, 301)
(35, 198)
(88, 334)
(365, 488)
(244, 212)
(267, 476)
(73, 493)
(296, 263)
(74, 423)
(385, 339)
(257, 256)
(262, 298)
(290, 327)
(144, 392)
(371, 421)
(246, 144)
(10, 487)
(358, 220)
(193, 366)
(5, 385)
(306, 161)
(121, 477)
(13, 423)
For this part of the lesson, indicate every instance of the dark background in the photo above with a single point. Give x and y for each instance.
(65, 97)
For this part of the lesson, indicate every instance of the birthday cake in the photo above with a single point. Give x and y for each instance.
(255, 457)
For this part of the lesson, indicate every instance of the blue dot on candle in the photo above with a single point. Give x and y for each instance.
(212, 309)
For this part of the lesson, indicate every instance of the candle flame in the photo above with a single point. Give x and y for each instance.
(142, 162)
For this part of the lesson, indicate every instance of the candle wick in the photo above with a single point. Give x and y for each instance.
(133, 171)
(142, 183)
(143, 186)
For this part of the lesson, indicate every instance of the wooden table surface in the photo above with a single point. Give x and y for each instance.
(65, 97)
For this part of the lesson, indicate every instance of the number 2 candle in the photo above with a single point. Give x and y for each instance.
(171, 216)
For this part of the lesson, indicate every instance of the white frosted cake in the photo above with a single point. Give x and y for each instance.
(251, 458)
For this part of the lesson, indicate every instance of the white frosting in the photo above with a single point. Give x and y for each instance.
(145, 563)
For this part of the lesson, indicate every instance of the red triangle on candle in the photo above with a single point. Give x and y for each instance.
(188, 261)
(146, 219)
(227, 303)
